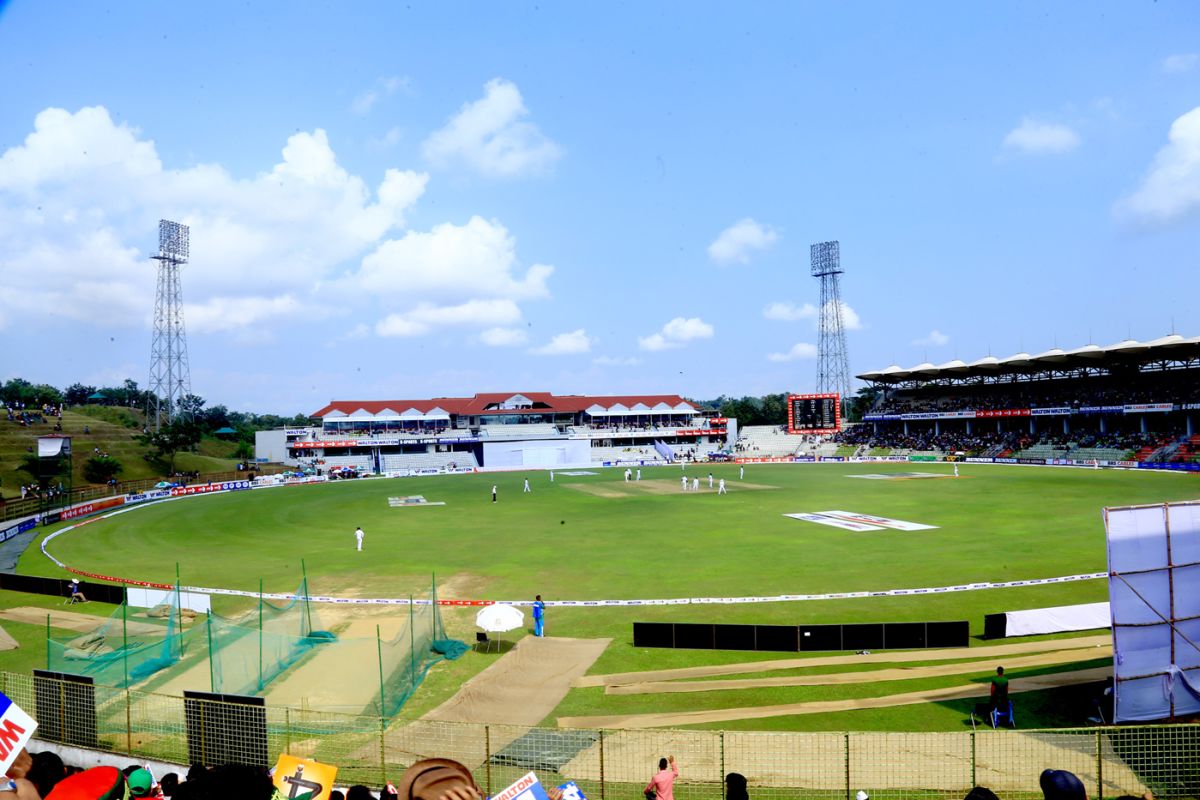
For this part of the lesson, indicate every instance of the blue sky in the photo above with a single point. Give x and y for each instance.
(437, 199)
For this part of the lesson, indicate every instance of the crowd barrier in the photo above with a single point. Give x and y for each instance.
(615, 764)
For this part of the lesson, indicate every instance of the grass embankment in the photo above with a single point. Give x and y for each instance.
(592, 536)
(112, 430)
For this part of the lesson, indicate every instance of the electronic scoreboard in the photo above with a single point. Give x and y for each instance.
(814, 413)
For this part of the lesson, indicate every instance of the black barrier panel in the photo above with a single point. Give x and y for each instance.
(903, 635)
(864, 636)
(734, 637)
(653, 634)
(225, 729)
(947, 634)
(820, 637)
(995, 626)
(690, 636)
(65, 708)
(61, 587)
(777, 638)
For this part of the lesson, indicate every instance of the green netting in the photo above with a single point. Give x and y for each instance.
(405, 659)
(125, 649)
(249, 653)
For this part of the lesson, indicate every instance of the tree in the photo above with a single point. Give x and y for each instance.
(862, 402)
(181, 434)
(77, 394)
(191, 404)
(101, 469)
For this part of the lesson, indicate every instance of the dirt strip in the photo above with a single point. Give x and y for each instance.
(830, 661)
(868, 676)
(72, 621)
(7, 642)
(524, 685)
(676, 719)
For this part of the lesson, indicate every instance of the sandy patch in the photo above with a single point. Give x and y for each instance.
(524, 685)
(596, 489)
(73, 621)
(675, 719)
(1006, 760)
(892, 656)
(7, 642)
(869, 676)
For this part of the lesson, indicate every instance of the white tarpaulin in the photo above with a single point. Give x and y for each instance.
(1154, 589)
(1058, 619)
(149, 598)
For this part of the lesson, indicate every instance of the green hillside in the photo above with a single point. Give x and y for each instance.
(112, 430)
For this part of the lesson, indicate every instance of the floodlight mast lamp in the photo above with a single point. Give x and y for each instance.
(170, 375)
(833, 363)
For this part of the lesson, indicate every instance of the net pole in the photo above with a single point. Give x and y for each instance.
(412, 650)
(379, 653)
(260, 634)
(307, 607)
(47, 640)
(125, 637)
(178, 608)
(212, 679)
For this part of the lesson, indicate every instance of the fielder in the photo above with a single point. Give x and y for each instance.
(358, 537)
(527, 489)
(721, 487)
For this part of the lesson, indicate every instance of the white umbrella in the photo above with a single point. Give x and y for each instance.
(500, 617)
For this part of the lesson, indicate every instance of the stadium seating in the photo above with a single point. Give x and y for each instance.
(362, 463)
(625, 453)
(394, 462)
(527, 431)
(766, 441)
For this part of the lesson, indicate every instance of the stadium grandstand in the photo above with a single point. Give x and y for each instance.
(1131, 401)
(521, 430)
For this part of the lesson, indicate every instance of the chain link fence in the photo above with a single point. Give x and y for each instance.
(609, 764)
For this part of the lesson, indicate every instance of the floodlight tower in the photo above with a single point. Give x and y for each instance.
(833, 364)
(170, 376)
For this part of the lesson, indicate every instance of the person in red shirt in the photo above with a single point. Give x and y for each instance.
(663, 783)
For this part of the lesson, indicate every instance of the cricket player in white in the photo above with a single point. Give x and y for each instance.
(721, 487)
(695, 484)
(710, 480)
(639, 473)
(358, 537)
(683, 483)
(527, 489)
(956, 469)
(741, 472)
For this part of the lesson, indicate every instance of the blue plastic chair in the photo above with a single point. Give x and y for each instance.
(999, 716)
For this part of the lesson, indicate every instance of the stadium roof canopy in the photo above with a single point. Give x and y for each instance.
(1173, 348)
(506, 403)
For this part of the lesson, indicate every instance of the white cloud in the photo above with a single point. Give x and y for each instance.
(384, 87)
(454, 262)
(617, 361)
(850, 319)
(1171, 188)
(735, 244)
(1181, 62)
(490, 137)
(1038, 138)
(81, 196)
(800, 350)
(790, 312)
(935, 338)
(503, 337)
(234, 313)
(426, 316)
(676, 333)
(566, 344)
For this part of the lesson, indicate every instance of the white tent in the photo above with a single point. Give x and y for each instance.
(1154, 592)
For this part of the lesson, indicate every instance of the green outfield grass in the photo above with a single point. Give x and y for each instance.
(565, 540)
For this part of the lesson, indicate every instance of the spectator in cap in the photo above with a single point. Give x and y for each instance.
(76, 594)
(1058, 784)
(141, 783)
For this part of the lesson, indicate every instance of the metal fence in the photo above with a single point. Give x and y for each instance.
(1111, 761)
